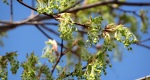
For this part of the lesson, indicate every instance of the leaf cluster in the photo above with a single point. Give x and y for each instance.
(11, 58)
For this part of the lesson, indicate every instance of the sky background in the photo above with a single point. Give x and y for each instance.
(26, 39)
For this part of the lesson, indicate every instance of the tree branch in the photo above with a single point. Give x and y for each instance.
(20, 1)
(148, 39)
(58, 60)
(11, 10)
(101, 3)
(125, 11)
(12, 25)
(142, 45)
(43, 32)
(50, 30)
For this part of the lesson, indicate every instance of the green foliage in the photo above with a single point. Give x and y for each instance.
(97, 64)
(30, 67)
(67, 27)
(49, 6)
(33, 70)
(2, 34)
(96, 61)
(131, 21)
(48, 51)
(6, 2)
(121, 34)
(94, 30)
(11, 58)
(78, 44)
(144, 19)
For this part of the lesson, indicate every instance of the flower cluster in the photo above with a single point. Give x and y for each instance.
(94, 29)
(67, 27)
(49, 6)
(51, 46)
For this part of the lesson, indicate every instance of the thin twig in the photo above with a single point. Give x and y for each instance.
(11, 10)
(148, 39)
(62, 46)
(58, 60)
(50, 30)
(43, 32)
(125, 11)
(20, 1)
(142, 45)
(83, 25)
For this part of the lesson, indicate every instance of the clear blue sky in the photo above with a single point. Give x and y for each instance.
(26, 39)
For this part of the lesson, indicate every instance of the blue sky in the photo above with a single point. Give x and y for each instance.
(26, 39)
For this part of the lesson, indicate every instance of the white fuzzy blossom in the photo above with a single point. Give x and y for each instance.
(52, 43)
(51, 46)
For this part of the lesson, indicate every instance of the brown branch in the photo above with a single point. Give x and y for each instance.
(55, 16)
(41, 17)
(83, 25)
(58, 60)
(32, 20)
(61, 55)
(12, 25)
(101, 3)
(41, 23)
(39, 73)
(29, 23)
